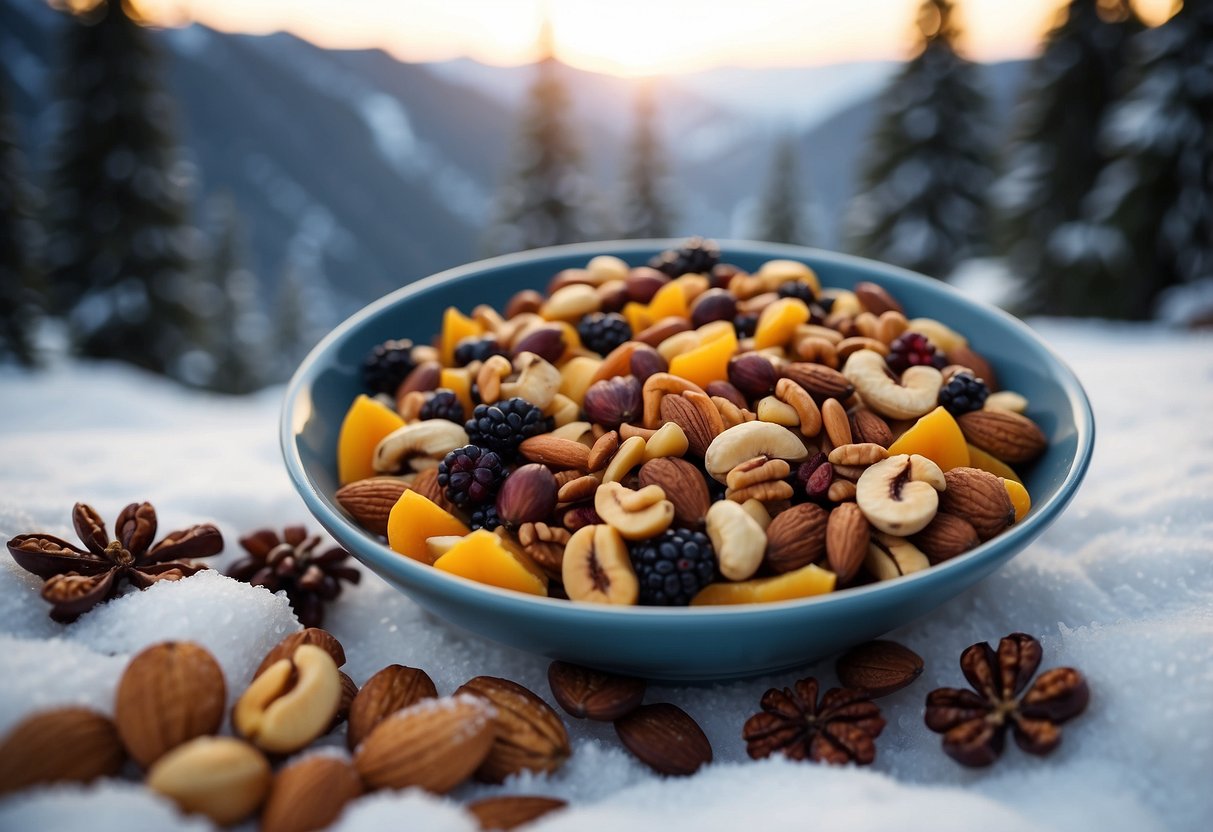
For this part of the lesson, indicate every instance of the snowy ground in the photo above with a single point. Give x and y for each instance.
(1121, 587)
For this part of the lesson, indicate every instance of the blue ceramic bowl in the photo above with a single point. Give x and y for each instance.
(682, 643)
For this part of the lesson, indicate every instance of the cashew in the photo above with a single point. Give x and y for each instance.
(576, 431)
(421, 445)
(538, 381)
(669, 440)
(488, 378)
(900, 495)
(563, 410)
(606, 267)
(734, 446)
(916, 395)
(597, 569)
(291, 703)
(943, 337)
(637, 515)
(771, 409)
(569, 303)
(891, 557)
(1006, 400)
(737, 538)
(628, 456)
(757, 510)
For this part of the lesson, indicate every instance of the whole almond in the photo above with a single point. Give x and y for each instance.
(390, 690)
(594, 694)
(512, 811)
(1006, 435)
(62, 745)
(665, 738)
(169, 694)
(426, 484)
(370, 501)
(348, 691)
(966, 357)
(435, 744)
(821, 381)
(978, 497)
(875, 298)
(796, 537)
(684, 486)
(878, 668)
(285, 649)
(310, 794)
(530, 735)
(945, 537)
(696, 415)
(557, 452)
(847, 535)
(866, 426)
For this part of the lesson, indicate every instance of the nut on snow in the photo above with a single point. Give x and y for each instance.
(900, 495)
(916, 395)
(291, 703)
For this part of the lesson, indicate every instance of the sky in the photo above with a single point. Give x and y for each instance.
(631, 37)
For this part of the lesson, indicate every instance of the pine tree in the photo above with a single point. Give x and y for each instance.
(20, 240)
(1147, 224)
(295, 326)
(929, 163)
(121, 248)
(548, 197)
(238, 332)
(1055, 159)
(646, 212)
(780, 218)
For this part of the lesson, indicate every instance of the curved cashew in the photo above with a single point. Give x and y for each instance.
(538, 381)
(900, 495)
(916, 395)
(745, 441)
(421, 445)
(637, 515)
(291, 703)
(488, 379)
(738, 539)
(656, 387)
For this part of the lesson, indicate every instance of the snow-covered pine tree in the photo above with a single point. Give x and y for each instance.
(295, 328)
(20, 242)
(121, 249)
(780, 217)
(646, 212)
(922, 199)
(547, 199)
(1148, 223)
(1055, 158)
(238, 333)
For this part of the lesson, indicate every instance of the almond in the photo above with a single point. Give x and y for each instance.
(796, 537)
(696, 415)
(370, 501)
(511, 811)
(966, 357)
(665, 738)
(878, 668)
(593, 694)
(1009, 436)
(945, 537)
(684, 486)
(866, 426)
(390, 690)
(309, 794)
(837, 425)
(530, 735)
(875, 298)
(847, 535)
(978, 497)
(559, 453)
(819, 380)
(426, 484)
(170, 693)
(285, 649)
(63, 745)
(435, 744)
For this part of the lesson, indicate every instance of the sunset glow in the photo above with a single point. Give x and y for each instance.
(631, 37)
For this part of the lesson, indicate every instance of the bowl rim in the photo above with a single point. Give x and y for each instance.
(439, 581)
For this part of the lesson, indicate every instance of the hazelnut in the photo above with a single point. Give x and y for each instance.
(643, 282)
(527, 496)
(713, 305)
(547, 342)
(423, 378)
(725, 390)
(613, 401)
(646, 361)
(753, 375)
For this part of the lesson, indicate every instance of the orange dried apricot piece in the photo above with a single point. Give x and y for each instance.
(415, 518)
(778, 322)
(484, 557)
(937, 437)
(365, 423)
(708, 362)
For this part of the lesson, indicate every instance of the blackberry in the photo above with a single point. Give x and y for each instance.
(603, 333)
(387, 365)
(745, 325)
(963, 393)
(485, 517)
(913, 350)
(697, 256)
(471, 475)
(501, 427)
(444, 404)
(796, 289)
(673, 566)
(476, 349)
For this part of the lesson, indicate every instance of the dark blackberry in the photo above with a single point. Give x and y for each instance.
(603, 333)
(673, 567)
(913, 350)
(696, 256)
(387, 365)
(476, 349)
(444, 404)
(963, 393)
(745, 325)
(471, 475)
(485, 517)
(501, 427)
(796, 289)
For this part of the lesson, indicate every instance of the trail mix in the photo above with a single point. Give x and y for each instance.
(685, 433)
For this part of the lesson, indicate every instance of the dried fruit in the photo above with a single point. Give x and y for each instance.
(61, 745)
(392, 689)
(613, 401)
(878, 668)
(594, 694)
(841, 729)
(528, 495)
(529, 737)
(665, 738)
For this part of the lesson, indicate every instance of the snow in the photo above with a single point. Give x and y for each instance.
(1119, 587)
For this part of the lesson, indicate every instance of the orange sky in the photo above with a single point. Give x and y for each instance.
(631, 36)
